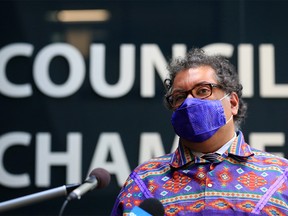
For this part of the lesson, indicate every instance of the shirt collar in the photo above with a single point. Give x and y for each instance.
(220, 151)
(238, 149)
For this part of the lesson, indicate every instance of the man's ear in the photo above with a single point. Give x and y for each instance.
(234, 101)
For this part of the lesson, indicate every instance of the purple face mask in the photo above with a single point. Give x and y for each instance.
(197, 120)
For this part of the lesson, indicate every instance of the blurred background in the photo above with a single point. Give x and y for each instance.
(81, 86)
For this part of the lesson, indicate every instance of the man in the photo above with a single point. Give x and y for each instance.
(213, 171)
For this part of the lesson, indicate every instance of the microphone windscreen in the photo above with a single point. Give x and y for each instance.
(102, 175)
(153, 206)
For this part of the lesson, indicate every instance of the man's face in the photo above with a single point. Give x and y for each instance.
(186, 80)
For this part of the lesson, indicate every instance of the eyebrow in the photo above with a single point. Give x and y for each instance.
(184, 90)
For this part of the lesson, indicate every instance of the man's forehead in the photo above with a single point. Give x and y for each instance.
(193, 76)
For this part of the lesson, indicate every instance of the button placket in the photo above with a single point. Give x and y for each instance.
(210, 178)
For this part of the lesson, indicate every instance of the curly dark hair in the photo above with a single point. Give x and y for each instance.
(226, 75)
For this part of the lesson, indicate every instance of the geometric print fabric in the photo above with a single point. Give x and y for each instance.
(230, 185)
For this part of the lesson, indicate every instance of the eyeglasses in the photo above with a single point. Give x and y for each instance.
(200, 91)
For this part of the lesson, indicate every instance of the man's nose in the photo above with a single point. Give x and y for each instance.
(189, 95)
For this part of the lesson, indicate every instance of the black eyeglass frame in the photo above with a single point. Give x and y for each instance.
(190, 91)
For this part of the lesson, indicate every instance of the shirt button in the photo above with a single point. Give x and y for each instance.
(209, 185)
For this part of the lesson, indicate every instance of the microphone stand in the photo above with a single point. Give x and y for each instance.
(37, 197)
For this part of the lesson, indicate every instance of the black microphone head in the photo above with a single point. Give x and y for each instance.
(153, 206)
(102, 176)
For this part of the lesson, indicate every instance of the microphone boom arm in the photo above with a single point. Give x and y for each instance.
(37, 197)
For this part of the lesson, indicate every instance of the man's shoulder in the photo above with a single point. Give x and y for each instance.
(269, 158)
(155, 164)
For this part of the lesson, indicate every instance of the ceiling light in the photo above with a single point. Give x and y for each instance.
(83, 15)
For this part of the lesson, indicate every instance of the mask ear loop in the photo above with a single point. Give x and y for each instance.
(224, 97)
(227, 121)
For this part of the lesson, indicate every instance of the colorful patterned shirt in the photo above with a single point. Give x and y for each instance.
(242, 181)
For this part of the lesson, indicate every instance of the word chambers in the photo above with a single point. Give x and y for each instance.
(150, 145)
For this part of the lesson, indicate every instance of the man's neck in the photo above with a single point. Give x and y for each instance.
(211, 145)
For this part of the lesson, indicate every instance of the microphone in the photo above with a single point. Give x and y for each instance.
(149, 207)
(98, 178)
(37, 197)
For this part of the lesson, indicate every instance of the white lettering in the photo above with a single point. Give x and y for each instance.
(152, 61)
(245, 63)
(8, 88)
(179, 50)
(223, 49)
(127, 71)
(6, 141)
(41, 70)
(268, 86)
(175, 144)
(45, 158)
(111, 143)
(260, 141)
(245, 69)
(151, 58)
(150, 146)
